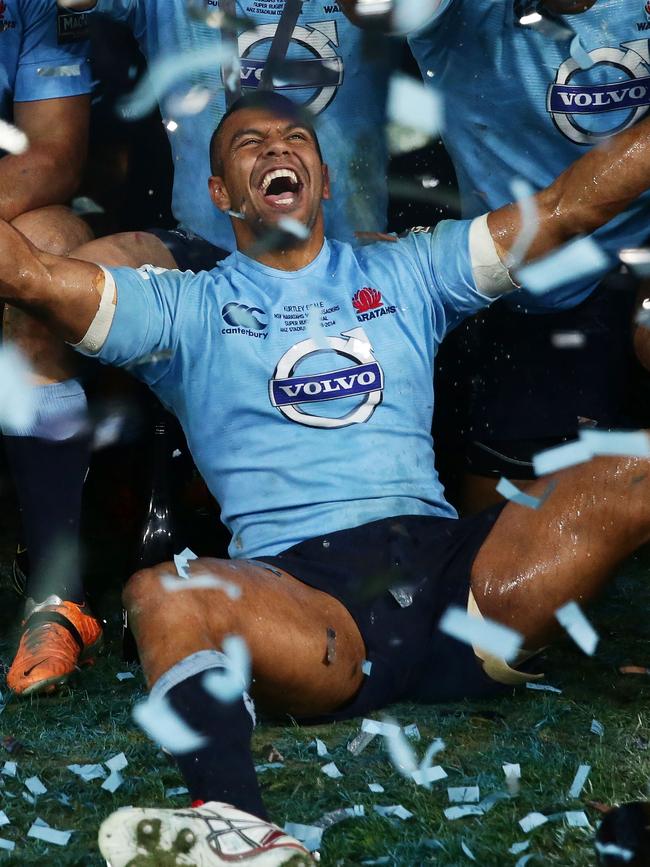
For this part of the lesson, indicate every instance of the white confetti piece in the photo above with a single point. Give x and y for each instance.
(571, 618)
(112, 782)
(88, 772)
(543, 687)
(366, 667)
(228, 684)
(423, 776)
(49, 835)
(511, 492)
(414, 105)
(483, 633)
(17, 395)
(613, 850)
(9, 769)
(335, 816)
(467, 850)
(30, 800)
(374, 727)
(12, 139)
(70, 70)
(358, 744)
(268, 766)
(191, 102)
(35, 786)
(181, 561)
(495, 798)
(577, 819)
(163, 725)
(330, 770)
(412, 732)
(175, 791)
(597, 728)
(512, 770)
(294, 227)
(4, 819)
(9, 845)
(453, 813)
(518, 848)
(85, 205)
(124, 675)
(165, 72)
(637, 259)
(568, 339)
(531, 821)
(521, 862)
(579, 781)
(321, 748)
(117, 762)
(199, 582)
(463, 794)
(577, 260)
(436, 746)
(401, 752)
(396, 810)
(376, 787)
(309, 835)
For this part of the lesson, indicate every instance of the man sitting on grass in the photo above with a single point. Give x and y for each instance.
(301, 371)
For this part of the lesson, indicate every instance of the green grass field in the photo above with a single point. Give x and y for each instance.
(548, 734)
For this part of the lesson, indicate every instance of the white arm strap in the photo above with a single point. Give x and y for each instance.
(491, 276)
(95, 337)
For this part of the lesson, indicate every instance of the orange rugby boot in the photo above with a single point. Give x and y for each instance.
(57, 638)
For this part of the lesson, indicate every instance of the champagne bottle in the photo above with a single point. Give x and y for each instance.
(157, 538)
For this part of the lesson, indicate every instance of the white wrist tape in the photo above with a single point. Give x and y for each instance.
(491, 276)
(95, 337)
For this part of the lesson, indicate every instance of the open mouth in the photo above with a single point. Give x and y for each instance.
(281, 188)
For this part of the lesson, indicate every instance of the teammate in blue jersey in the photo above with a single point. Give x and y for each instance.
(44, 91)
(520, 105)
(301, 371)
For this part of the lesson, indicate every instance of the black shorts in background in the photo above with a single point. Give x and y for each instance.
(371, 569)
(191, 252)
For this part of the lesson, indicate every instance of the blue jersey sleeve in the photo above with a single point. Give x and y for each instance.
(129, 12)
(53, 59)
(440, 259)
(145, 328)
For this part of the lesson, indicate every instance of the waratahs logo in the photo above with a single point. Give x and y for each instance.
(244, 320)
(369, 304)
(290, 391)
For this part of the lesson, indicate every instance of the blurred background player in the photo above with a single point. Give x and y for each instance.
(44, 91)
(518, 105)
(308, 51)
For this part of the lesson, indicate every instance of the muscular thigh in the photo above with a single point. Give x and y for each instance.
(533, 561)
(285, 624)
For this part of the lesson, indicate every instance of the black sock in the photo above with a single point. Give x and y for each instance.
(49, 476)
(223, 770)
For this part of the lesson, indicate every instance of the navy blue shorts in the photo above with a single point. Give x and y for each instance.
(191, 252)
(396, 577)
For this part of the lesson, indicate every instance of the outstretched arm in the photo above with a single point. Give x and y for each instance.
(592, 191)
(64, 293)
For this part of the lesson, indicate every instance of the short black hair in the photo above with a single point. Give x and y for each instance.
(267, 100)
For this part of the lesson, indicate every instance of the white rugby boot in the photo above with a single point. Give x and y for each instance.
(205, 836)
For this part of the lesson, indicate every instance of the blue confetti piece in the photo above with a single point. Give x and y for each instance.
(632, 443)
(159, 720)
(577, 260)
(229, 683)
(580, 54)
(560, 457)
(412, 104)
(511, 492)
(571, 618)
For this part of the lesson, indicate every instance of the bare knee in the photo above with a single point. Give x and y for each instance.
(129, 249)
(54, 229)
(144, 589)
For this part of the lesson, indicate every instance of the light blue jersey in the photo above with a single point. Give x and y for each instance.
(349, 78)
(518, 104)
(41, 55)
(306, 396)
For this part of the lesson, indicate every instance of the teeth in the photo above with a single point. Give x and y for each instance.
(278, 173)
